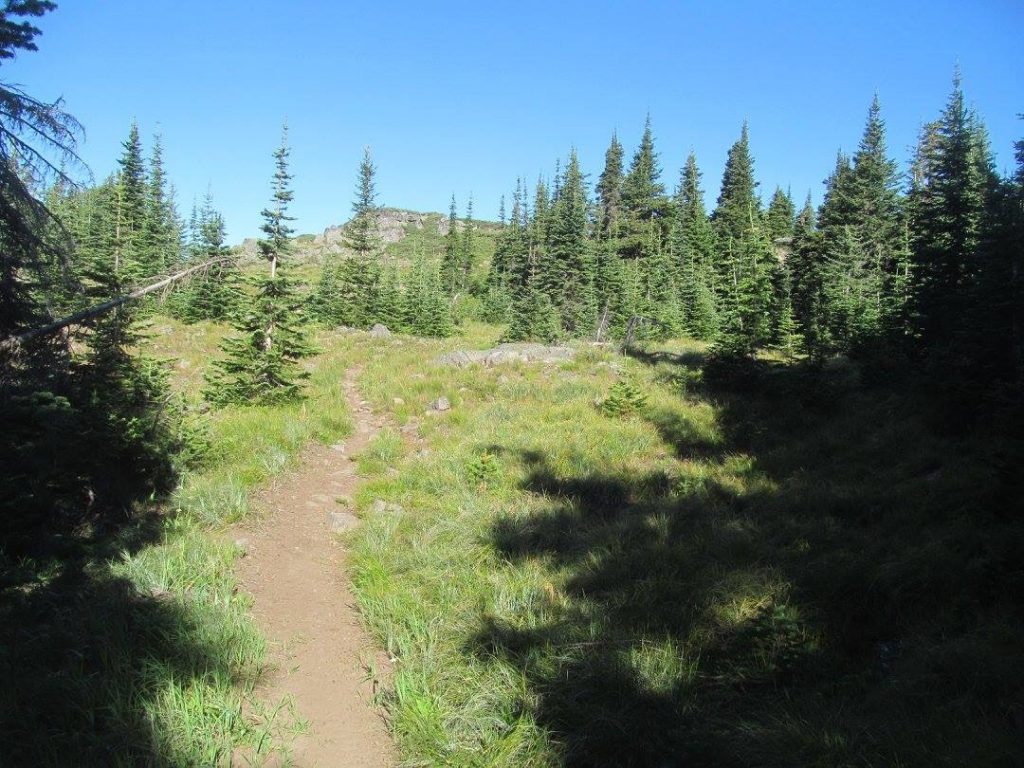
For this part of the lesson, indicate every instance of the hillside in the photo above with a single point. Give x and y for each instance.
(404, 234)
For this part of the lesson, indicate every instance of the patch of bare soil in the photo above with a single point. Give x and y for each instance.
(295, 570)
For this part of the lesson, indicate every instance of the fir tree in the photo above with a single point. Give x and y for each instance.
(362, 230)
(467, 247)
(645, 207)
(131, 258)
(948, 207)
(450, 260)
(569, 278)
(261, 362)
(609, 192)
(780, 215)
(693, 247)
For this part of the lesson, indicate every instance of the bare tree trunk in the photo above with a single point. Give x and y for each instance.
(106, 306)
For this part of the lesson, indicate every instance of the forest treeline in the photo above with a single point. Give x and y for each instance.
(909, 272)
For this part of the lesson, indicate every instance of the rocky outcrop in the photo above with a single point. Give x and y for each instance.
(392, 224)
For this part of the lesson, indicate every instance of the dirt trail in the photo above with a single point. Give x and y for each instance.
(295, 571)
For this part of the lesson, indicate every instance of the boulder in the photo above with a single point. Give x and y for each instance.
(380, 332)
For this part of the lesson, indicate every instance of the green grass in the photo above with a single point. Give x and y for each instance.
(800, 574)
(803, 573)
(130, 644)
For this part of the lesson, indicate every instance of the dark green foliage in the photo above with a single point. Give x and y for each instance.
(693, 247)
(625, 398)
(260, 365)
(361, 231)
(738, 207)
(451, 274)
(533, 318)
(609, 193)
(567, 277)
(952, 182)
(645, 209)
(780, 215)
(214, 295)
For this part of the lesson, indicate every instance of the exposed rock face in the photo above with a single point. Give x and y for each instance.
(507, 353)
(392, 224)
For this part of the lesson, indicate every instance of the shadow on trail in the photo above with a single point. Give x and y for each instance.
(808, 590)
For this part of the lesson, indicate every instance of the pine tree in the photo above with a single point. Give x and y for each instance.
(362, 230)
(214, 295)
(693, 247)
(609, 192)
(569, 279)
(161, 230)
(467, 247)
(781, 212)
(737, 204)
(645, 208)
(131, 257)
(450, 260)
(948, 208)
(747, 260)
(261, 362)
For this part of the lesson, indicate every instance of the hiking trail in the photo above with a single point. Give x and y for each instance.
(295, 570)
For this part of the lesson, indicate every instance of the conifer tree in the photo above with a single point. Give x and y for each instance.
(450, 260)
(780, 215)
(948, 206)
(693, 246)
(644, 205)
(609, 192)
(261, 362)
(362, 230)
(737, 205)
(467, 246)
(132, 260)
(569, 278)
(161, 229)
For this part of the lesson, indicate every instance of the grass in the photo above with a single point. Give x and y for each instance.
(130, 644)
(800, 574)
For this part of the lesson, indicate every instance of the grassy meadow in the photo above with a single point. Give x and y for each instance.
(802, 572)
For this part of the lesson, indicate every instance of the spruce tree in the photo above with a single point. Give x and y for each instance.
(644, 205)
(693, 248)
(569, 279)
(467, 247)
(362, 230)
(261, 363)
(609, 192)
(948, 208)
(450, 260)
(132, 259)
(781, 212)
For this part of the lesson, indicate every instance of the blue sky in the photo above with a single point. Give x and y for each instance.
(464, 97)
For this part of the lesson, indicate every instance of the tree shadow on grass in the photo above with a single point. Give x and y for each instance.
(84, 654)
(820, 602)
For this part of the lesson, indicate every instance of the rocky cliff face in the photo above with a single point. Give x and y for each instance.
(392, 225)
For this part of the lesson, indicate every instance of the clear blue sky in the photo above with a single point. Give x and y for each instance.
(464, 97)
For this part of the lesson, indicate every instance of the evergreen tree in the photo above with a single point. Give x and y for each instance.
(161, 229)
(780, 215)
(261, 362)
(645, 208)
(362, 230)
(450, 260)
(569, 278)
(609, 192)
(948, 206)
(131, 257)
(467, 246)
(693, 246)
(737, 205)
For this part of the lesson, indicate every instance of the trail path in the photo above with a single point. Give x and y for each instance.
(295, 571)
